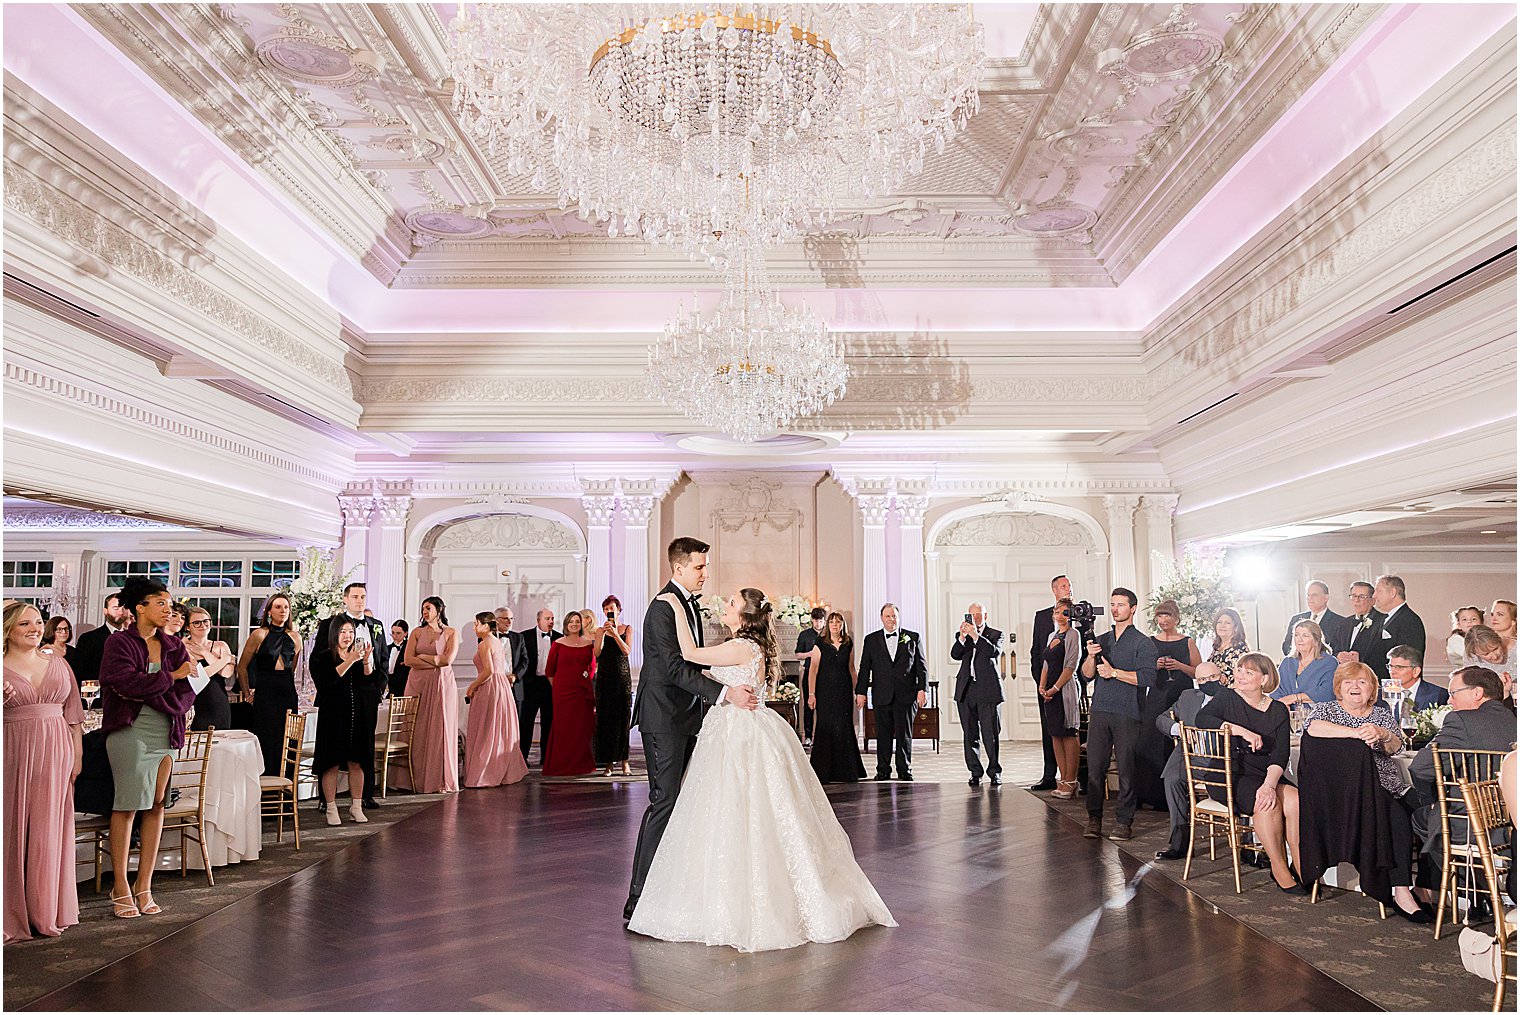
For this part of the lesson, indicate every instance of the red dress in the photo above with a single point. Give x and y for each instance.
(569, 749)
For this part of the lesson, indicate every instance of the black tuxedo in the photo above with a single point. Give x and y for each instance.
(895, 680)
(538, 693)
(672, 698)
(1044, 627)
(806, 639)
(978, 692)
(517, 661)
(396, 677)
(1367, 643)
(85, 657)
(1402, 627)
(380, 659)
(1336, 629)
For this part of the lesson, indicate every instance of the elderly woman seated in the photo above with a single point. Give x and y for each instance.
(1354, 715)
(1258, 728)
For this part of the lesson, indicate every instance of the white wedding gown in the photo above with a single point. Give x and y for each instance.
(753, 856)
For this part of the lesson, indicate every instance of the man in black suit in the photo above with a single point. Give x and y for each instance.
(85, 659)
(978, 691)
(1401, 625)
(396, 669)
(1334, 626)
(538, 693)
(367, 631)
(517, 653)
(807, 638)
(1364, 637)
(892, 661)
(673, 697)
(1174, 776)
(1044, 626)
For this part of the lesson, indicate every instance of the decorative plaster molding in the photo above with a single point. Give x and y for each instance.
(357, 511)
(756, 503)
(506, 532)
(600, 509)
(874, 508)
(62, 519)
(1014, 530)
(1018, 500)
(392, 512)
(637, 509)
(911, 510)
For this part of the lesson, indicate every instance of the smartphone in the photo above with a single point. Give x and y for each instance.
(968, 618)
(609, 614)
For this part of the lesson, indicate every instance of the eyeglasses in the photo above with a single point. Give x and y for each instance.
(1400, 666)
(200, 623)
(1458, 690)
(1360, 595)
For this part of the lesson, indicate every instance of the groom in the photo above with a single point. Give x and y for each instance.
(673, 695)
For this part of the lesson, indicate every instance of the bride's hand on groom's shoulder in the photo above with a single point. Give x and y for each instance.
(667, 597)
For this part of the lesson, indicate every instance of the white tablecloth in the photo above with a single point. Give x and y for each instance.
(233, 828)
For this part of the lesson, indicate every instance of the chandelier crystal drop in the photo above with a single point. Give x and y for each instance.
(681, 124)
(753, 366)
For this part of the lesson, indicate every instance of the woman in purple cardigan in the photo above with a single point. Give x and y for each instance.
(146, 693)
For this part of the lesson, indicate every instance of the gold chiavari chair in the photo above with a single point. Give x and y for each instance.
(278, 792)
(1485, 815)
(1459, 855)
(188, 815)
(395, 744)
(1208, 763)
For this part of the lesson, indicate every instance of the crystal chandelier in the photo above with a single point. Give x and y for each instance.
(753, 366)
(656, 118)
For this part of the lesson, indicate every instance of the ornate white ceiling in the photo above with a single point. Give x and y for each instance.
(1093, 142)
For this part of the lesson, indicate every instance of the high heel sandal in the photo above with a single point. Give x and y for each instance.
(1064, 794)
(152, 908)
(119, 904)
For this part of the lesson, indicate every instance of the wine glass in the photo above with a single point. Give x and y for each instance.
(91, 691)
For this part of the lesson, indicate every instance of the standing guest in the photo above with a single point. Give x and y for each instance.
(92, 643)
(892, 666)
(492, 742)
(1113, 725)
(217, 663)
(348, 692)
(1039, 642)
(1205, 685)
(1308, 675)
(978, 691)
(1060, 710)
(517, 654)
(1487, 649)
(806, 639)
(1401, 625)
(43, 754)
(538, 696)
(1229, 642)
(1364, 636)
(1406, 664)
(266, 672)
(1261, 737)
(397, 670)
(430, 652)
(177, 620)
(1176, 659)
(144, 678)
(614, 688)
(831, 678)
(1331, 624)
(56, 637)
(1463, 619)
(367, 631)
(1501, 620)
(569, 671)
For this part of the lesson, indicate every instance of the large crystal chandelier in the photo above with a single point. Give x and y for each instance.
(656, 118)
(751, 367)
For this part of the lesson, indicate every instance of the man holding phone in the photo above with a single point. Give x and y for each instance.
(1113, 727)
(978, 691)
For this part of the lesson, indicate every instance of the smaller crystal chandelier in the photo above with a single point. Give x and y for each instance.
(754, 365)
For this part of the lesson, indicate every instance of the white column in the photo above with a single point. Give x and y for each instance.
(873, 572)
(1158, 508)
(386, 569)
(599, 511)
(911, 590)
(637, 577)
(354, 553)
(1121, 538)
(935, 651)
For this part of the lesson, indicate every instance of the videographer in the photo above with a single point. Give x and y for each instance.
(1124, 661)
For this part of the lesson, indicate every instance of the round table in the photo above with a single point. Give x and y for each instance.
(234, 830)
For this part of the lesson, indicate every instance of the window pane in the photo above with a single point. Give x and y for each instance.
(29, 574)
(273, 573)
(118, 571)
(210, 573)
(224, 612)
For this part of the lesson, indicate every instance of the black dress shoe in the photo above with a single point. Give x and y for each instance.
(905, 778)
(997, 780)
(1171, 853)
(974, 781)
(1296, 889)
(1043, 786)
(628, 910)
(882, 777)
(1418, 916)
(370, 802)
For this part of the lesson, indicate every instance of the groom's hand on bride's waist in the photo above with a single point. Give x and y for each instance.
(742, 696)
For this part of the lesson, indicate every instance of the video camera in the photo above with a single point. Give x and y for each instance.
(1083, 614)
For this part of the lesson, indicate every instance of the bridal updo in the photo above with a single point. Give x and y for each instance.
(755, 611)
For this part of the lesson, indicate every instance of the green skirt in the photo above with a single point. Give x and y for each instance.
(135, 753)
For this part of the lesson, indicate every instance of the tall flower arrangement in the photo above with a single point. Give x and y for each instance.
(1200, 585)
(318, 593)
(794, 610)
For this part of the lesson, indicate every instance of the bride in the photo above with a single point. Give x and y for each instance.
(753, 856)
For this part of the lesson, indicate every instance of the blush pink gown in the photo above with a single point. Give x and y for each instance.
(435, 739)
(40, 895)
(492, 741)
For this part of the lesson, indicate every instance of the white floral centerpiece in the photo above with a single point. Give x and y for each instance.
(794, 610)
(1200, 585)
(318, 593)
(1428, 722)
(784, 693)
(711, 606)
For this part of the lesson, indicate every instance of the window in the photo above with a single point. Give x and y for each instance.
(226, 574)
(28, 574)
(118, 571)
(225, 623)
(268, 574)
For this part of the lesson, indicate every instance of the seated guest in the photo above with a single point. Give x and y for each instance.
(347, 695)
(1229, 642)
(1260, 738)
(1353, 715)
(1307, 674)
(1317, 595)
(1486, 648)
(398, 670)
(43, 753)
(1463, 619)
(1405, 664)
(56, 637)
(1184, 712)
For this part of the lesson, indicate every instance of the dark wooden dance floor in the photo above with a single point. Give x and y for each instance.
(510, 899)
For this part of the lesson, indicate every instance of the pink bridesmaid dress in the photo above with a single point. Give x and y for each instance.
(40, 895)
(492, 741)
(435, 739)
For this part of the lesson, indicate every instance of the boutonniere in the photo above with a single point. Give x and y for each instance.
(902, 638)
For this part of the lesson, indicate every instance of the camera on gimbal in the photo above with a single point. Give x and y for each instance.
(1083, 614)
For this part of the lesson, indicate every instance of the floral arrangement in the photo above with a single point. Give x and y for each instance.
(1427, 722)
(711, 606)
(794, 610)
(1199, 584)
(785, 693)
(318, 593)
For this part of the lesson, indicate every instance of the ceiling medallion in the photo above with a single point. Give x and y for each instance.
(1172, 56)
(658, 119)
(306, 60)
(448, 225)
(1057, 220)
